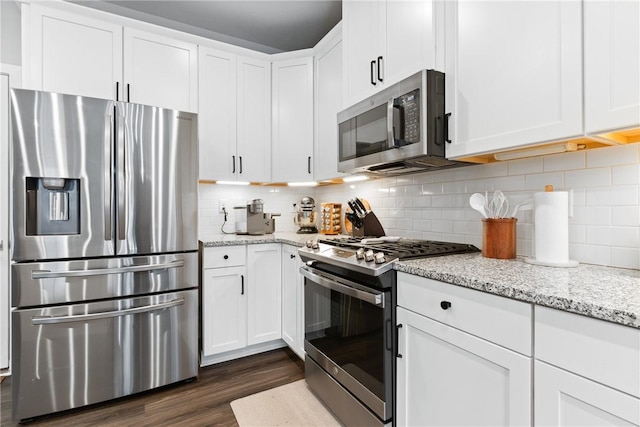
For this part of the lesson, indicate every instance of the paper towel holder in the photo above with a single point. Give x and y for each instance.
(545, 201)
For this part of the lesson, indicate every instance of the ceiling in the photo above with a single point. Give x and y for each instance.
(263, 25)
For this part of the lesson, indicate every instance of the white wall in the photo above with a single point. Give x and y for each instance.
(605, 228)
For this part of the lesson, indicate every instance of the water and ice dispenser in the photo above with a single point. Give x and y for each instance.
(53, 206)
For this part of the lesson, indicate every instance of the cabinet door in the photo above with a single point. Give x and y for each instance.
(292, 120)
(410, 43)
(292, 302)
(265, 292)
(611, 65)
(72, 54)
(254, 120)
(160, 71)
(514, 74)
(224, 310)
(566, 399)
(328, 99)
(363, 32)
(448, 377)
(217, 115)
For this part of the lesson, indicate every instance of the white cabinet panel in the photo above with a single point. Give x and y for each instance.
(566, 399)
(73, 54)
(254, 120)
(611, 65)
(292, 300)
(160, 71)
(217, 115)
(234, 117)
(292, 120)
(224, 310)
(514, 74)
(448, 377)
(264, 289)
(328, 102)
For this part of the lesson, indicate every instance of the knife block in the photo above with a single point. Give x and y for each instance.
(371, 227)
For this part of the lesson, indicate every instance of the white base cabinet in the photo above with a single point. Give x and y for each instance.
(566, 399)
(264, 289)
(241, 301)
(292, 300)
(449, 377)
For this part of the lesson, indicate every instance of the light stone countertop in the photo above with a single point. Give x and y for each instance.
(606, 293)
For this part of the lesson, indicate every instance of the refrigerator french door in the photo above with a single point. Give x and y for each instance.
(104, 234)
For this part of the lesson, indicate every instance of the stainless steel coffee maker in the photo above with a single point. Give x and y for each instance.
(306, 216)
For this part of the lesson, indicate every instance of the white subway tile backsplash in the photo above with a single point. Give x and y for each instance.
(624, 175)
(565, 161)
(538, 181)
(434, 205)
(525, 166)
(613, 156)
(585, 178)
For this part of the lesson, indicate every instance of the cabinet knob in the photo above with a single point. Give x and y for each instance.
(445, 305)
(292, 256)
(226, 257)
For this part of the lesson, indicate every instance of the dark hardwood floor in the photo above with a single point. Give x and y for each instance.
(204, 402)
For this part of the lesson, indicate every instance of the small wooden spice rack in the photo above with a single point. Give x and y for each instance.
(331, 218)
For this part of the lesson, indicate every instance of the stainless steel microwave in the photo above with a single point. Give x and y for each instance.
(401, 129)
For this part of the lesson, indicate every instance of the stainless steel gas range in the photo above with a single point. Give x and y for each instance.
(350, 326)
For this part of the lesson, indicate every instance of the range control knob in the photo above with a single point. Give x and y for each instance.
(379, 258)
(308, 243)
(314, 244)
(368, 255)
(360, 253)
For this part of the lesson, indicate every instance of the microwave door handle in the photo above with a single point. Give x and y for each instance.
(398, 110)
(390, 130)
(375, 298)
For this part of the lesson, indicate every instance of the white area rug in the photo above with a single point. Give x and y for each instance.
(292, 404)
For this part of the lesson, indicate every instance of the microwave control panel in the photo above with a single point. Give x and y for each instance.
(407, 117)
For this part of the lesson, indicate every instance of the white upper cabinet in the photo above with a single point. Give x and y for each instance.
(328, 101)
(234, 117)
(611, 65)
(160, 71)
(513, 74)
(69, 50)
(386, 41)
(71, 53)
(292, 120)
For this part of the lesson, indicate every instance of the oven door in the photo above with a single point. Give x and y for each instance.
(348, 332)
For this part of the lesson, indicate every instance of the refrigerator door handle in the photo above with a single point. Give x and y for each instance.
(109, 130)
(122, 135)
(48, 274)
(51, 320)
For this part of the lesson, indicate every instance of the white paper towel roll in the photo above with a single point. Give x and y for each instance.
(551, 229)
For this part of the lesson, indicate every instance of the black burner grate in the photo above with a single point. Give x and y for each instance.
(405, 248)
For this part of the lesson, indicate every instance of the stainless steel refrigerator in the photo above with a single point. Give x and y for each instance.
(104, 250)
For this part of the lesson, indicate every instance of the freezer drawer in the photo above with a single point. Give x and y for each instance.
(69, 356)
(60, 282)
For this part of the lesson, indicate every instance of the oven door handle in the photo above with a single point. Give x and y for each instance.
(375, 298)
(49, 320)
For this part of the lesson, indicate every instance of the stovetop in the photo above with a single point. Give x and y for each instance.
(404, 248)
(374, 256)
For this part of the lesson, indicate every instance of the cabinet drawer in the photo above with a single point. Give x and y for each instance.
(497, 319)
(602, 351)
(224, 256)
